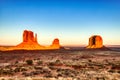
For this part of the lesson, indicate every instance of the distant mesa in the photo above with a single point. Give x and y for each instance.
(95, 41)
(30, 43)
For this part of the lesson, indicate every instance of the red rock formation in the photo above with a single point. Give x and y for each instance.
(28, 36)
(35, 39)
(95, 42)
(55, 43)
(30, 43)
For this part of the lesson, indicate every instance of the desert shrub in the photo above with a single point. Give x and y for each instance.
(38, 68)
(27, 74)
(100, 78)
(16, 62)
(20, 69)
(85, 56)
(40, 62)
(59, 75)
(35, 72)
(89, 60)
(118, 71)
(6, 72)
(77, 66)
(59, 69)
(17, 69)
(51, 64)
(48, 75)
(111, 71)
(1, 71)
(65, 72)
(57, 61)
(52, 68)
(23, 69)
(10, 79)
(29, 62)
(117, 67)
(46, 71)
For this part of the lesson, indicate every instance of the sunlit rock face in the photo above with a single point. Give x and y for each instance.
(95, 42)
(28, 36)
(30, 43)
(2, 48)
(55, 43)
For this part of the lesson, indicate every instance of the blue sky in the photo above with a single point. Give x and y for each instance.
(72, 21)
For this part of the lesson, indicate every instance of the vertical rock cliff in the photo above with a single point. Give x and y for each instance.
(95, 42)
(28, 36)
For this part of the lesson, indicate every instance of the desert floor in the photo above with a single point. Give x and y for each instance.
(73, 64)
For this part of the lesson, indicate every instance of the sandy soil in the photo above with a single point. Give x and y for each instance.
(60, 64)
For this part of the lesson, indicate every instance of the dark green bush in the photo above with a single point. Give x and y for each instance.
(29, 62)
(40, 62)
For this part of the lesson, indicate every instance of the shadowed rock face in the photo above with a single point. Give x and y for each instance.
(95, 42)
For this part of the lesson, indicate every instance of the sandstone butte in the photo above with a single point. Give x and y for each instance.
(30, 43)
(95, 41)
